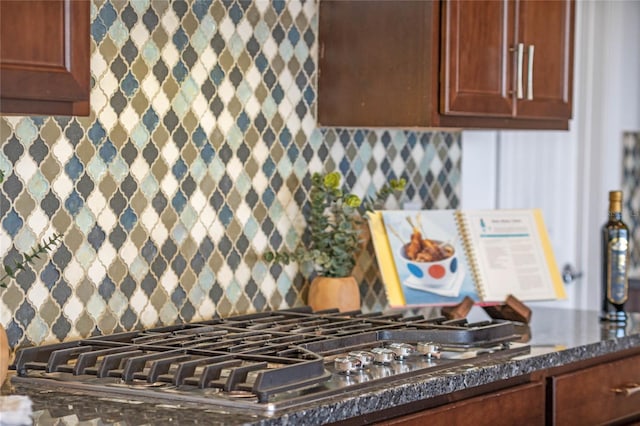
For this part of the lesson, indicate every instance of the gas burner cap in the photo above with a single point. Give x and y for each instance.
(429, 349)
(346, 364)
(364, 357)
(383, 355)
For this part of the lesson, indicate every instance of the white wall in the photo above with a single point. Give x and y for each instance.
(568, 174)
(615, 109)
(479, 169)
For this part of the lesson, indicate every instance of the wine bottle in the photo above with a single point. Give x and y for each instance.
(615, 259)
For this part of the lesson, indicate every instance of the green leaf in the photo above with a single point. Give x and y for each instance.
(332, 239)
(9, 271)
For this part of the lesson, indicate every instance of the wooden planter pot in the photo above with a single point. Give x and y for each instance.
(329, 293)
(4, 355)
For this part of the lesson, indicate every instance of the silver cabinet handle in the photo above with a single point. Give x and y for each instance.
(519, 88)
(530, 73)
(627, 389)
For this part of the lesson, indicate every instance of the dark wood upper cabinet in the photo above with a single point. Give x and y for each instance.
(477, 37)
(449, 63)
(44, 57)
(546, 30)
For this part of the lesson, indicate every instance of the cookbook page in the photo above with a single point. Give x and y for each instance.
(513, 254)
(426, 256)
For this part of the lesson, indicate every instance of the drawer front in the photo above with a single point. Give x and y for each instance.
(520, 405)
(599, 394)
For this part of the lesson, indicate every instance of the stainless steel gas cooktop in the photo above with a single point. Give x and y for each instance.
(266, 361)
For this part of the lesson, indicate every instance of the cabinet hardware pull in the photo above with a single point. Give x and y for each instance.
(627, 389)
(519, 88)
(570, 274)
(530, 73)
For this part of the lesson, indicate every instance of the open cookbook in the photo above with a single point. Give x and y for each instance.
(437, 257)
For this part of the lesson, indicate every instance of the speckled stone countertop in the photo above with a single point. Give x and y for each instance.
(558, 337)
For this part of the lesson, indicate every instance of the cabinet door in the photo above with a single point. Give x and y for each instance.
(597, 395)
(376, 63)
(44, 57)
(477, 58)
(521, 405)
(545, 27)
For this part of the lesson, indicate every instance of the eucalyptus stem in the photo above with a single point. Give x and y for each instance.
(36, 252)
(334, 220)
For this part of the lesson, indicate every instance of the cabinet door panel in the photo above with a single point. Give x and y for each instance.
(521, 405)
(44, 57)
(375, 62)
(477, 62)
(588, 396)
(547, 25)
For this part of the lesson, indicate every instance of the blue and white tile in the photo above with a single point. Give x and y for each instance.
(161, 48)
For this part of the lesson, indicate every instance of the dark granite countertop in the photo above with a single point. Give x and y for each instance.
(558, 337)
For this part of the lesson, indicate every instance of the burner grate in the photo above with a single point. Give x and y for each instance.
(257, 355)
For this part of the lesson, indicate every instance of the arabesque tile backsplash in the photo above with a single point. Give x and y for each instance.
(631, 195)
(195, 160)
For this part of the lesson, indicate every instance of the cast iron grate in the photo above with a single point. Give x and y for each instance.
(256, 355)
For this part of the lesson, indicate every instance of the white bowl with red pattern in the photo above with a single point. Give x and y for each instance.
(438, 274)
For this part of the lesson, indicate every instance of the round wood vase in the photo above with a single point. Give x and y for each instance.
(330, 293)
(4, 355)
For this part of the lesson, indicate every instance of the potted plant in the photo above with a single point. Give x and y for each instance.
(9, 272)
(335, 218)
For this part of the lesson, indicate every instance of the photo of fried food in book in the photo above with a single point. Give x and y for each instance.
(426, 258)
(426, 250)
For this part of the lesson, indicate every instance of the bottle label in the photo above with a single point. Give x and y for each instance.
(617, 274)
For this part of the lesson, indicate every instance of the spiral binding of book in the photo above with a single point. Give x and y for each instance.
(470, 252)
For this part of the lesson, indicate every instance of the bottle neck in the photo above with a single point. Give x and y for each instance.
(615, 215)
(615, 209)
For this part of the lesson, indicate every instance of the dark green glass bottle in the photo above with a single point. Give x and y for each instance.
(615, 260)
